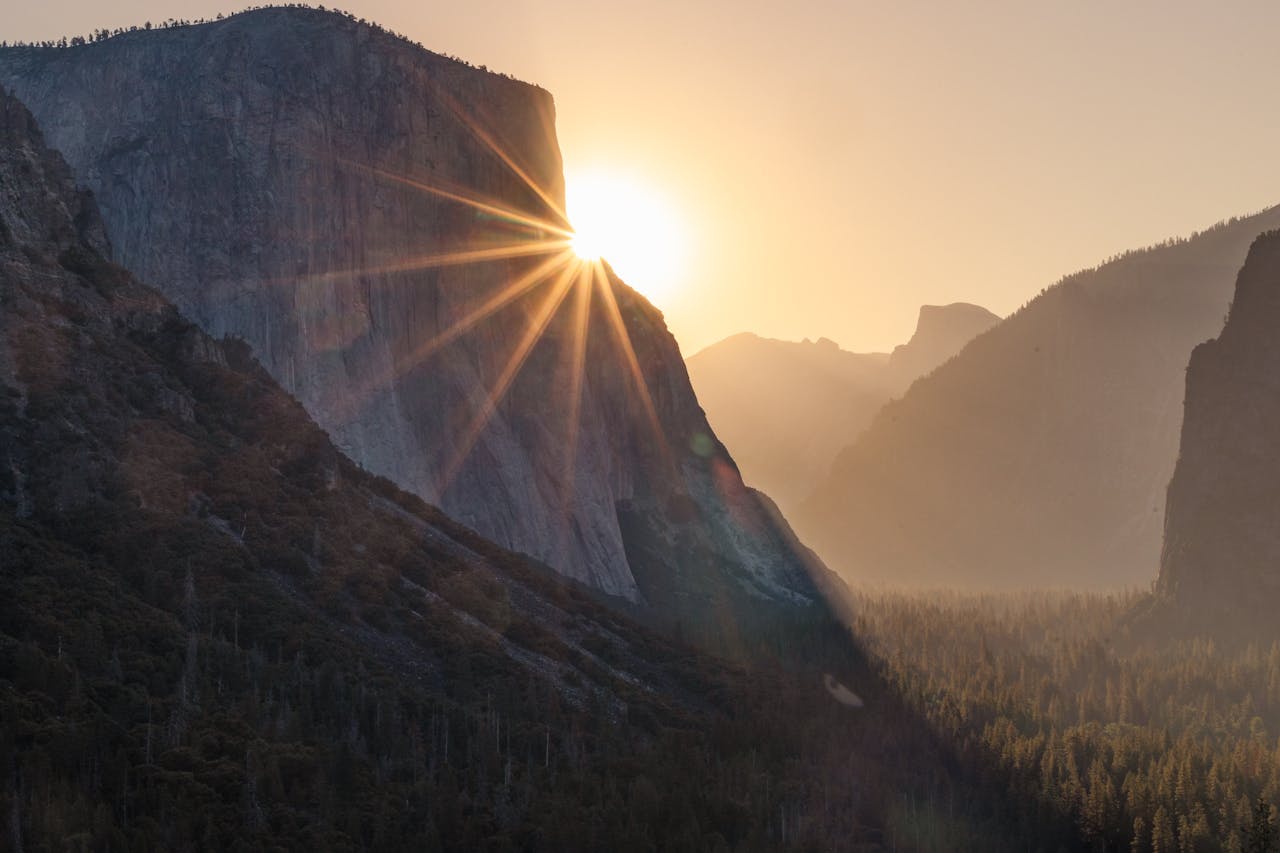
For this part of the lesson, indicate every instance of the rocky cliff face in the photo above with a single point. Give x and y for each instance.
(292, 177)
(1222, 522)
(788, 408)
(139, 450)
(1041, 453)
(261, 645)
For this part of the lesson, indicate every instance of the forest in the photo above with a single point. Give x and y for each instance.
(217, 632)
(1104, 733)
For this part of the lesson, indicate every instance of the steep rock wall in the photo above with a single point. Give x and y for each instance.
(268, 172)
(1222, 523)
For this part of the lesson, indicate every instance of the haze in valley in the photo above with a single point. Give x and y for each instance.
(839, 164)
(666, 427)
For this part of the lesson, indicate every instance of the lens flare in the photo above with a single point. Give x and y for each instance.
(628, 224)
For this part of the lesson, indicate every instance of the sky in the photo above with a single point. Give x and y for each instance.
(834, 165)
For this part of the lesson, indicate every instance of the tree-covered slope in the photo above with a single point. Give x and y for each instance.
(216, 632)
(383, 226)
(1040, 455)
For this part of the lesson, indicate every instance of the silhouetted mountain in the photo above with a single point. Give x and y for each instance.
(941, 332)
(216, 632)
(788, 408)
(1222, 524)
(1039, 455)
(292, 177)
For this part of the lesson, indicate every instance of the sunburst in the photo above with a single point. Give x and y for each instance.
(560, 264)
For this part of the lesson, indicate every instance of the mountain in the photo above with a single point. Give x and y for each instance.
(216, 632)
(380, 224)
(787, 409)
(941, 332)
(1041, 453)
(1222, 522)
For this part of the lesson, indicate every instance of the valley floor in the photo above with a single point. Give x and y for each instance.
(1092, 730)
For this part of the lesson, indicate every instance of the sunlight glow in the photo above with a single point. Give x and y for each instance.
(630, 226)
(620, 223)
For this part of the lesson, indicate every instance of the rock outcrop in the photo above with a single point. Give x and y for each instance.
(941, 332)
(788, 408)
(132, 442)
(1039, 455)
(292, 177)
(1222, 522)
(259, 645)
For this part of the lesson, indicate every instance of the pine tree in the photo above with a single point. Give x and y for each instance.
(1260, 835)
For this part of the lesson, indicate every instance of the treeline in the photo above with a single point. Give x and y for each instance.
(100, 35)
(217, 633)
(1133, 745)
(235, 640)
(1169, 242)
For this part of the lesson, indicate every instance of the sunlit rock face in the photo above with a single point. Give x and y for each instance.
(268, 172)
(1222, 526)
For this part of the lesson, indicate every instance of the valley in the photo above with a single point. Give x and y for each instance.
(351, 499)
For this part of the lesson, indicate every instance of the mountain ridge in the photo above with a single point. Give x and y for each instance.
(941, 332)
(788, 408)
(349, 204)
(216, 631)
(1041, 454)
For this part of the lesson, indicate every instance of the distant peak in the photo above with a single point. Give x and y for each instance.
(962, 318)
(957, 309)
(941, 332)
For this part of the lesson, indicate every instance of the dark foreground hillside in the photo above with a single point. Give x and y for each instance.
(310, 183)
(218, 633)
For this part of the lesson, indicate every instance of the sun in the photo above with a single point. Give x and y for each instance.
(631, 226)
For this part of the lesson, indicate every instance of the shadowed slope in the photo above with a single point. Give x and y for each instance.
(787, 409)
(1039, 455)
(382, 226)
(216, 632)
(1221, 557)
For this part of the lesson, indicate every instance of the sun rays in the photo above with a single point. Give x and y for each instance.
(532, 334)
(553, 281)
(544, 272)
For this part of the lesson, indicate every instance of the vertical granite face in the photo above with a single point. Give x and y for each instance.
(1222, 525)
(268, 172)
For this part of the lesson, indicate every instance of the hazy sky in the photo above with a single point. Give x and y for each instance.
(840, 163)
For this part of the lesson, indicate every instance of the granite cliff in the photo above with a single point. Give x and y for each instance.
(291, 177)
(216, 632)
(788, 408)
(1222, 522)
(1039, 455)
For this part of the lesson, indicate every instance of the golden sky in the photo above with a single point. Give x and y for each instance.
(837, 164)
